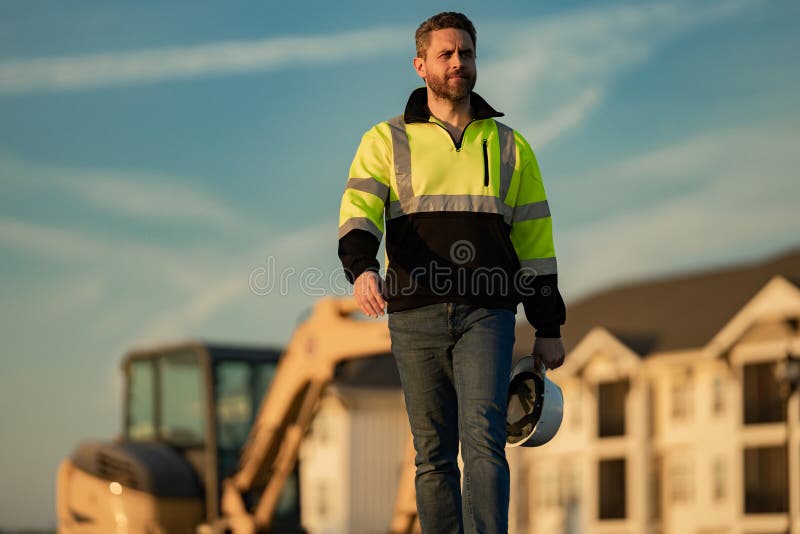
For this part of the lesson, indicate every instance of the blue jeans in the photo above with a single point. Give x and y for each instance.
(454, 362)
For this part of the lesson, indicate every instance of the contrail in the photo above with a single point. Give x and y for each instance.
(158, 64)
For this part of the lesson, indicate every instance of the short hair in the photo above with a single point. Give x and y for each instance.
(441, 21)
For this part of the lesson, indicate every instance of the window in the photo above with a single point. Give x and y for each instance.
(239, 388)
(234, 404)
(766, 480)
(576, 403)
(681, 394)
(762, 400)
(611, 408)
(141, 401)
(652, 412)
(718, 394)
(611, 489)
(182, 407)
(550, 489)
(546, 491)
(719, 478)
(681, 480)
(569, 483)
(571, 495)
(656, 477)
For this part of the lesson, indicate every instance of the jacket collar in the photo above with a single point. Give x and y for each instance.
(417, 107)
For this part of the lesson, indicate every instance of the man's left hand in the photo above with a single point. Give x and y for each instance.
(549, 350)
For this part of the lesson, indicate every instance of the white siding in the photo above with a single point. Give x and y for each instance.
(351, 461)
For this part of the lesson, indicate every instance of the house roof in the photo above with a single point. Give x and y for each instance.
(676, 312)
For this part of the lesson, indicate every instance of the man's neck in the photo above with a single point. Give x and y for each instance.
(454, 114)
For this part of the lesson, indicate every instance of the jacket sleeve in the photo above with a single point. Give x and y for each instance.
(532, 237)
(361, 215)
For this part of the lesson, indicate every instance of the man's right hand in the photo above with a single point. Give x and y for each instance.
(368, 290)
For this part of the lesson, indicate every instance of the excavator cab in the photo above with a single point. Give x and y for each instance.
(188, 410)
(211, 434)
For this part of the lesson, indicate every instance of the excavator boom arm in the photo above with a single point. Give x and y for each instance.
(330, 336)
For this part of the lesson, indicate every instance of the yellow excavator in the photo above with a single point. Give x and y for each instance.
(212, 434)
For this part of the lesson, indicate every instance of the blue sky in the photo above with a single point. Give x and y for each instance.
(154, 155)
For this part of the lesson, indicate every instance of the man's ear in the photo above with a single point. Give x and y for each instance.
(419, 66)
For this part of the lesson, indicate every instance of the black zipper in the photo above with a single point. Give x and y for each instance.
(456, 144)
(485, 166)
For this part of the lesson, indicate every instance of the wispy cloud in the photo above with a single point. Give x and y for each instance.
(551, 74)
(159, 64)
(586, 47)
(294, 251)
(132, 194)
(82, 293)
(113, 254)
(180, 318)
(742, 197)
(569, 116)
(180, 289)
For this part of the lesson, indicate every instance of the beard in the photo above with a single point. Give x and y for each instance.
(446, 90)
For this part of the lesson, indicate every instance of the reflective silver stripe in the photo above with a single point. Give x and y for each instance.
(541, 266)
(508, 157)
(394, 210)
(369, 185)
(473, 203)
(360, 223)
(402, 159)
(534, 210)
(508, 213)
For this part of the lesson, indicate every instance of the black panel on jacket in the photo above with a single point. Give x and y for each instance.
(357, 250)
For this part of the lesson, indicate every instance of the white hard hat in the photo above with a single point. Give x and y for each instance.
(535, 405)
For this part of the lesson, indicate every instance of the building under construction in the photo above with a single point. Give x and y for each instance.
(681, 410)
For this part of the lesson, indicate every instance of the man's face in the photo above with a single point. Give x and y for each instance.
(449, 64)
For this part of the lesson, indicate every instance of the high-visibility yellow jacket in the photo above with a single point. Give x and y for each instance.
(466, 220)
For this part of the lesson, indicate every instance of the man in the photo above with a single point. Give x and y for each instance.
(468, 235)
